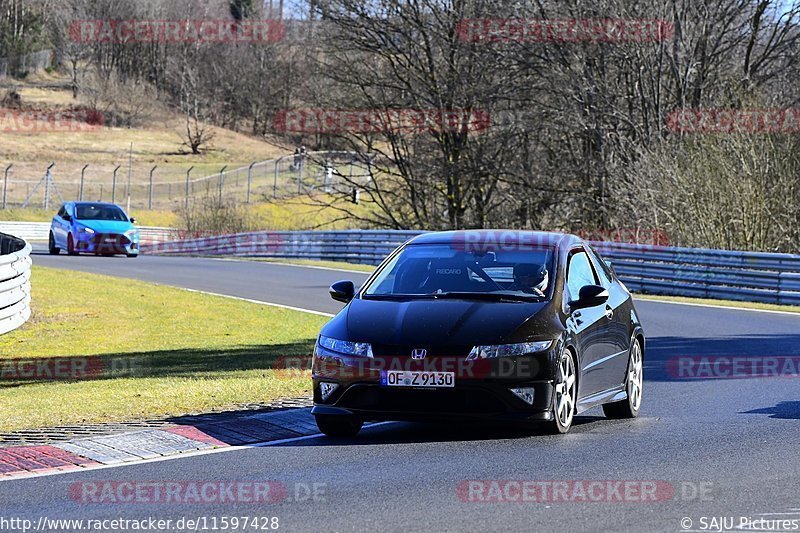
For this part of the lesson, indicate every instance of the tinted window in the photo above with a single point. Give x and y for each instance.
(100, 212)
(62, 211)
(579, 274)
(436, 269)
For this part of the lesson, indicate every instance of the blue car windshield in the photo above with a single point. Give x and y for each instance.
(433, 270)
(100, 212)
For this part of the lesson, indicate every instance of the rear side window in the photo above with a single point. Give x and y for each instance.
(579, 274)
(62, 211)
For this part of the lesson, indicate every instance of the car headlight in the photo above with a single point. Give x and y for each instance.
(507, 350)
(90, 231)
(363, 349)
(131, 234)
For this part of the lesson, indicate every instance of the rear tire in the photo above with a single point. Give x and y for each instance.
(51, 246)
(634, 379)
(71, 245)
(339, 425)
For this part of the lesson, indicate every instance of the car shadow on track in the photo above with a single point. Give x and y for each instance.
(783, 410)
(451, 431)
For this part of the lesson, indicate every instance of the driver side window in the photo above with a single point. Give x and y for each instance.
(579, 274)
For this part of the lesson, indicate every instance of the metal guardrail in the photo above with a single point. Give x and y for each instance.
(15, 282)
(39, 231)
(660, 270)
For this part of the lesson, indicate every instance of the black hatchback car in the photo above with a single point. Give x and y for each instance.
(481, 324)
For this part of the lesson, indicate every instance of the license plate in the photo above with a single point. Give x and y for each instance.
(425, 380)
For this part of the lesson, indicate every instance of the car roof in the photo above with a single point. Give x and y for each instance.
(483, 236)
(105, 204)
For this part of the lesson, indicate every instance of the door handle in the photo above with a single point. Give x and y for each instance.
(609, 313)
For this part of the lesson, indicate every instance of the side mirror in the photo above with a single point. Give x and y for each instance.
(133, 220)
(590, 296)
(343, 291)
(68, 218)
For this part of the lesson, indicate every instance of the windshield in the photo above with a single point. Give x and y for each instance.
(100, 212)
(433, 270)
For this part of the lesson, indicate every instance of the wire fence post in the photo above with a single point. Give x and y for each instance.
(83, 175)
(150, 190)
(221, 181)
(275, 184)
(114, 186)
(5, 184)
(249, 181)
(48, 178)
(188, 174)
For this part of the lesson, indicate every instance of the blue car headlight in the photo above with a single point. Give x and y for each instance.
(84, 229)
(362, 349)
(507, 350)
(132, 234)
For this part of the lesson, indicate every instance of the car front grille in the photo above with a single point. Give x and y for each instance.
(110, 239)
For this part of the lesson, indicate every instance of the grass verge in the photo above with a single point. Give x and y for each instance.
(193, 353)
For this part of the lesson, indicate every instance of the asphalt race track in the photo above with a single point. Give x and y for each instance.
(717, 447)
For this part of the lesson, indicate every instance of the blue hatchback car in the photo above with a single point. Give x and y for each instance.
(95, 228)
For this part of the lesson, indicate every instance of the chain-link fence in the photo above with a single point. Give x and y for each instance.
(141, 188)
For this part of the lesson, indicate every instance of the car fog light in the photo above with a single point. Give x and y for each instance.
(524, 394)
(326, 389)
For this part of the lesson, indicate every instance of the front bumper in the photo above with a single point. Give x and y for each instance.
(482, 390)
(490, 401)
(104, 243)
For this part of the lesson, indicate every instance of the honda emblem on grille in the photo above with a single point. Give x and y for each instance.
(419, 353)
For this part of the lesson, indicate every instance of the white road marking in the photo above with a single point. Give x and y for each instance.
(260, 302)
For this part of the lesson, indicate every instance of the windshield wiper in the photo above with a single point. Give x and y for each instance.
(495, 296)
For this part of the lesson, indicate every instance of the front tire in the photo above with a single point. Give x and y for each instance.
(634, 379)
(339, 425)
(51, 245)
(565, 394)
(132, 256)
(71, 245)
